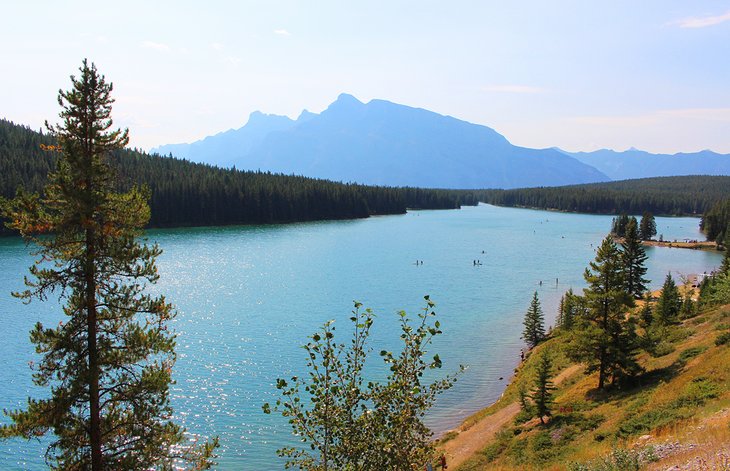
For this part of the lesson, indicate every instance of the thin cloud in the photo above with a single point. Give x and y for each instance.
(282, 32)
(513, 89)
(217, 46)
(156, 46)
(703, 22)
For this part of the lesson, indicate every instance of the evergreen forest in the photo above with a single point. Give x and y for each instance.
(191, 194)
(669, 196)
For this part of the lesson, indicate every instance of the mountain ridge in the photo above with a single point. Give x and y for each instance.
(384, 143)
(635, 163)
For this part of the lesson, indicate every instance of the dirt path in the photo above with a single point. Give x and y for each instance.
(470, 441)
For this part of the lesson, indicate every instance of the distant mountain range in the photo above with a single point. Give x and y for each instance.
(383, 143)
(635, 163)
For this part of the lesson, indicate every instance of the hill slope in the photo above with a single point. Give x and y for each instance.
(676, 413)
(383, 143)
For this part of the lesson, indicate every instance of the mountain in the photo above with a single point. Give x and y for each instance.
(635, 163)
(383, 143)
(226, 148)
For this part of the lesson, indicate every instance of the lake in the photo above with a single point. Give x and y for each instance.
(247, 297)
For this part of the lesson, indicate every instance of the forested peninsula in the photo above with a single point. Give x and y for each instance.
(693, 195)
(184, 193)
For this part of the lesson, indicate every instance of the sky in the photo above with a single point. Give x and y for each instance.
(650, 74)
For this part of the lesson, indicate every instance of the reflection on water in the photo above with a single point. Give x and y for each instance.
(247, 298)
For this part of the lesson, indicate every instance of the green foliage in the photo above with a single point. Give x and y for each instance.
(108, 365)
(691, 352)
(669, 304)
(715, 290)
(634, 260)
(534, 322)
(688, 195)
(618, 460)
(572, 308)
(716, 220)
(723, 339)
(646, 314)
(347, 424)
(542, 394)
(694, 395)
(619, 223)
(647, 226)
(661, 349)
(604, 340)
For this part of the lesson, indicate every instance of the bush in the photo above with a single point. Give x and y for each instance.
(617, 460)
(697, 393)
(522, 417)
(661, 349)
(723, 339)
(691, 353)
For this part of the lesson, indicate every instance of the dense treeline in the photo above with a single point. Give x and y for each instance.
(686, 195)
(716, 221)
(190, 194)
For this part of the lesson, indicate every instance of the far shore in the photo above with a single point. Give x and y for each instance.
(691, 244)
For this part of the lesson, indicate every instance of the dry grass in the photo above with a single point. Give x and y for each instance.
(683, 399)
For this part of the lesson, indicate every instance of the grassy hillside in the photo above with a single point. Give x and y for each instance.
(676, 412)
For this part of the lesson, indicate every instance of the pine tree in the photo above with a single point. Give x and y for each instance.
(605, 340)
(542, 395)
(534, 323)
(618, 226)
(634, 257)
(109, 364)
(725, 265)
(647, 226)
(669, 303)
(570, 309)
(646, 314)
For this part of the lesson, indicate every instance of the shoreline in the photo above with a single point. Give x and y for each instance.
(462, 442)
(692, 245)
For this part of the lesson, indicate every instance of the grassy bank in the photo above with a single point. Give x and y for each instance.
(676, 411)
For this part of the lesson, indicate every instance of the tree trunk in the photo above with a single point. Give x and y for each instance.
(91, 324)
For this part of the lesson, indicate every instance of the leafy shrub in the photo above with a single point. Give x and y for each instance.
(691, 353)
(522, 417)
(542, 441)
(617, 460)
(661, 349)
(722, 339)
(697, 392)
(647, 421)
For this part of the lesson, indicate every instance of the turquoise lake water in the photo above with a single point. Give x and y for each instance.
(247, 297)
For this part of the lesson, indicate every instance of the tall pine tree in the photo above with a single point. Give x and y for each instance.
(604, 340)
(542, 394)
(669, 303)
(109, 363)
(534, 323)
(647, 226)
(634, 257)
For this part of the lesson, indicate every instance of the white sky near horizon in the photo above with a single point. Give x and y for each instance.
(579, 75)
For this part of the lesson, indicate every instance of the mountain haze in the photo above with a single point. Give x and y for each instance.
(635, 163)
(383, 143)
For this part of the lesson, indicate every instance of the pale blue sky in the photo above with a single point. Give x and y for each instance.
(654, 74)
